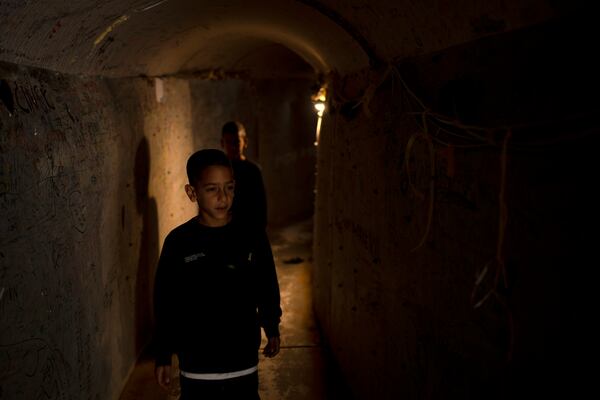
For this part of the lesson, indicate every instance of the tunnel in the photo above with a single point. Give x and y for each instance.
(449, 178)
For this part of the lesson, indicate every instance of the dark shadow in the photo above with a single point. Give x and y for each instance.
(337, 387)
(148, 257)
(6, 96)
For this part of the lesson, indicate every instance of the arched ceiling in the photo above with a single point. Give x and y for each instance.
(158, 37)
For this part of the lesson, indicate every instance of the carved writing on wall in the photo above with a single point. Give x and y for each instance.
(40, 365)
(52, 170)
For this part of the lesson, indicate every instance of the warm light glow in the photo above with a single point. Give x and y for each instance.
(321, 95)
(319, 100)
(318, 129)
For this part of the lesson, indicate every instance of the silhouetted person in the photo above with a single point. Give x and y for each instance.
(215, 286)
(250, 202)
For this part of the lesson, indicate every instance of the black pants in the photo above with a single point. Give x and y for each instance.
(242, 388)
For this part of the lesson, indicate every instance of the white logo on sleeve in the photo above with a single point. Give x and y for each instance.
(193, 257)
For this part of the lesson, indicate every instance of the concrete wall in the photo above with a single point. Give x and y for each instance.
(85, 197)
(413, 322)
(280, 123)
(91, 181)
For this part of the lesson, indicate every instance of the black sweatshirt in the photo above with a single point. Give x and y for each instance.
(250, 200)
(215, 287)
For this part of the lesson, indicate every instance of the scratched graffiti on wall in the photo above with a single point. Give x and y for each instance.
(36, 362)
(55, 135)
(30, 97)
(366, 240)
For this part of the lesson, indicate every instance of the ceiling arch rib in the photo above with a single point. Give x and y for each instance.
(244, 56)
(172, 43)
(128, 38)
(224, 49)
(133, 37)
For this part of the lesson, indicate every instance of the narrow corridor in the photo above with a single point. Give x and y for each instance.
(446, 150)
(302, 370)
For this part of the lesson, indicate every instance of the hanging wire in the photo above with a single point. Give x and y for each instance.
(470, 136)
(424, 135)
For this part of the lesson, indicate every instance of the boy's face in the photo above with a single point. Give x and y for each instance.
(214, 195)
(234, 145)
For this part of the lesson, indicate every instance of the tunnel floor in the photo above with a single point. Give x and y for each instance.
(303, 368)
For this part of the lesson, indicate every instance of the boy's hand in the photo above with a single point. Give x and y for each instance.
(163, 376)
(272, 347)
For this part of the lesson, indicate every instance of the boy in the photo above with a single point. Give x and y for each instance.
(250, 203)
(215, 287)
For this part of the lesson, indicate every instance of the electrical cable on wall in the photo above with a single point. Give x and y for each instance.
(411, 141)
(457, 135)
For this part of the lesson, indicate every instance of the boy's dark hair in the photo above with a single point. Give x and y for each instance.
(202, 159)
(233, 127)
